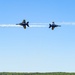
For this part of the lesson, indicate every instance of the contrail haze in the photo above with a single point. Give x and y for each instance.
(38, 25)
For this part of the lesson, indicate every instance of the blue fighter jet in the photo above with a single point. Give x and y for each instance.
(53, 25)
(24, 24)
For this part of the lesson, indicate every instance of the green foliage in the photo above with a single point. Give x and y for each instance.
(54, 73)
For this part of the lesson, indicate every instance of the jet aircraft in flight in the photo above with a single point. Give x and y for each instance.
(53, 25)
(24, 24)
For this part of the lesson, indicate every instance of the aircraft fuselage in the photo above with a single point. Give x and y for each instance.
(53, 25)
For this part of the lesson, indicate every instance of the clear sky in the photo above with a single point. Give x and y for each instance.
(37, 49)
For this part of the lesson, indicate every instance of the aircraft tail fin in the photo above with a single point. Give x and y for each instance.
(28, 24)
(49, 25)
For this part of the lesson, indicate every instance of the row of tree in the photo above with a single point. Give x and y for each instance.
(55, 73)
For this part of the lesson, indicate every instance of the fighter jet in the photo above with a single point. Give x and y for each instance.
(24, 24)
(53, 25)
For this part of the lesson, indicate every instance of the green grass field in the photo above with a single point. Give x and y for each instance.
(53, 73)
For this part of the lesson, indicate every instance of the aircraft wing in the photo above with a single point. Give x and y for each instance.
(24, 21)
(24, 27)
(53, 28)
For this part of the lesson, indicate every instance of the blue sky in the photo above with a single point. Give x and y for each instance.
(37, 49)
